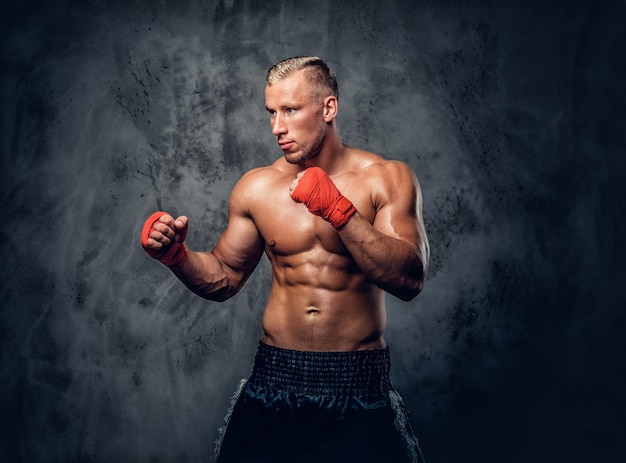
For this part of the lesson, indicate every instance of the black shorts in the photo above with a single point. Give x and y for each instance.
(317, 407)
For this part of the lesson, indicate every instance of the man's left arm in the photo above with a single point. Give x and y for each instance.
(393, 251)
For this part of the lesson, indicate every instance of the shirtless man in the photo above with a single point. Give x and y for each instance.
(340, 226)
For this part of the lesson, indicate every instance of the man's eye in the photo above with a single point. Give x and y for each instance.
(290, 110)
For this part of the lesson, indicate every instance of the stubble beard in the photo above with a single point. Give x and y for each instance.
(309, 154)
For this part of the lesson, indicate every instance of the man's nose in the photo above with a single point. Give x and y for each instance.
(278, 125)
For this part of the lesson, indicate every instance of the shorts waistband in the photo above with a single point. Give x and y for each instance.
(363, 373)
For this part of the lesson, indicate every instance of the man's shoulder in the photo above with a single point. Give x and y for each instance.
(374, 164)
(260, 178)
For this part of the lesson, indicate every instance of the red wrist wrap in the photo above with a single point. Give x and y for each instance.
(177, 252)
(320, 195)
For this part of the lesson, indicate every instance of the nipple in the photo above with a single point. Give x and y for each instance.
(272, 243)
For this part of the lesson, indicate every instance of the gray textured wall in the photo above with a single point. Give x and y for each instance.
(510, 116)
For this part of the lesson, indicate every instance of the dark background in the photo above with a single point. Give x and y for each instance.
(511, 114)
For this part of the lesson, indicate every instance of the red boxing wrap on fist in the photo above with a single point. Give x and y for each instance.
(320, 195)
(175, 255)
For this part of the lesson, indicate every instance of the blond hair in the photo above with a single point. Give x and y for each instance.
(319, 74)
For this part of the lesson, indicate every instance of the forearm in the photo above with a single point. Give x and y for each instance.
(395, 265)
(206, 276)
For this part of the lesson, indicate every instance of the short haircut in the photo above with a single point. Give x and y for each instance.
(319, 73)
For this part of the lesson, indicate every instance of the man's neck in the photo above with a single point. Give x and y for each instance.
(332, 158)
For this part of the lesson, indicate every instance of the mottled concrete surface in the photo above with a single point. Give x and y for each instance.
(512, 115)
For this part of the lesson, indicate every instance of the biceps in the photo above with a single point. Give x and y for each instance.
(240, 247)
(399, 209)
(399, 222)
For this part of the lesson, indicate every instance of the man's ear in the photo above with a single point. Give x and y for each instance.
(330, 108)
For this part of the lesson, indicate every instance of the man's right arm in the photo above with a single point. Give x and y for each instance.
(221, 273)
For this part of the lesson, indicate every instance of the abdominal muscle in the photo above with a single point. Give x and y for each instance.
(322, 305)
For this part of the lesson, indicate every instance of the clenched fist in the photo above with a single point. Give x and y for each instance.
(163, 238)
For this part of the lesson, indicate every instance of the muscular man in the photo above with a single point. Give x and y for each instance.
(340, 226)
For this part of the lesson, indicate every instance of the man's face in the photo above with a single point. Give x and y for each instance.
(296, 117)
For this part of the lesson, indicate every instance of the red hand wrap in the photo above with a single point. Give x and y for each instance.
(175, 255)
(320, 195)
